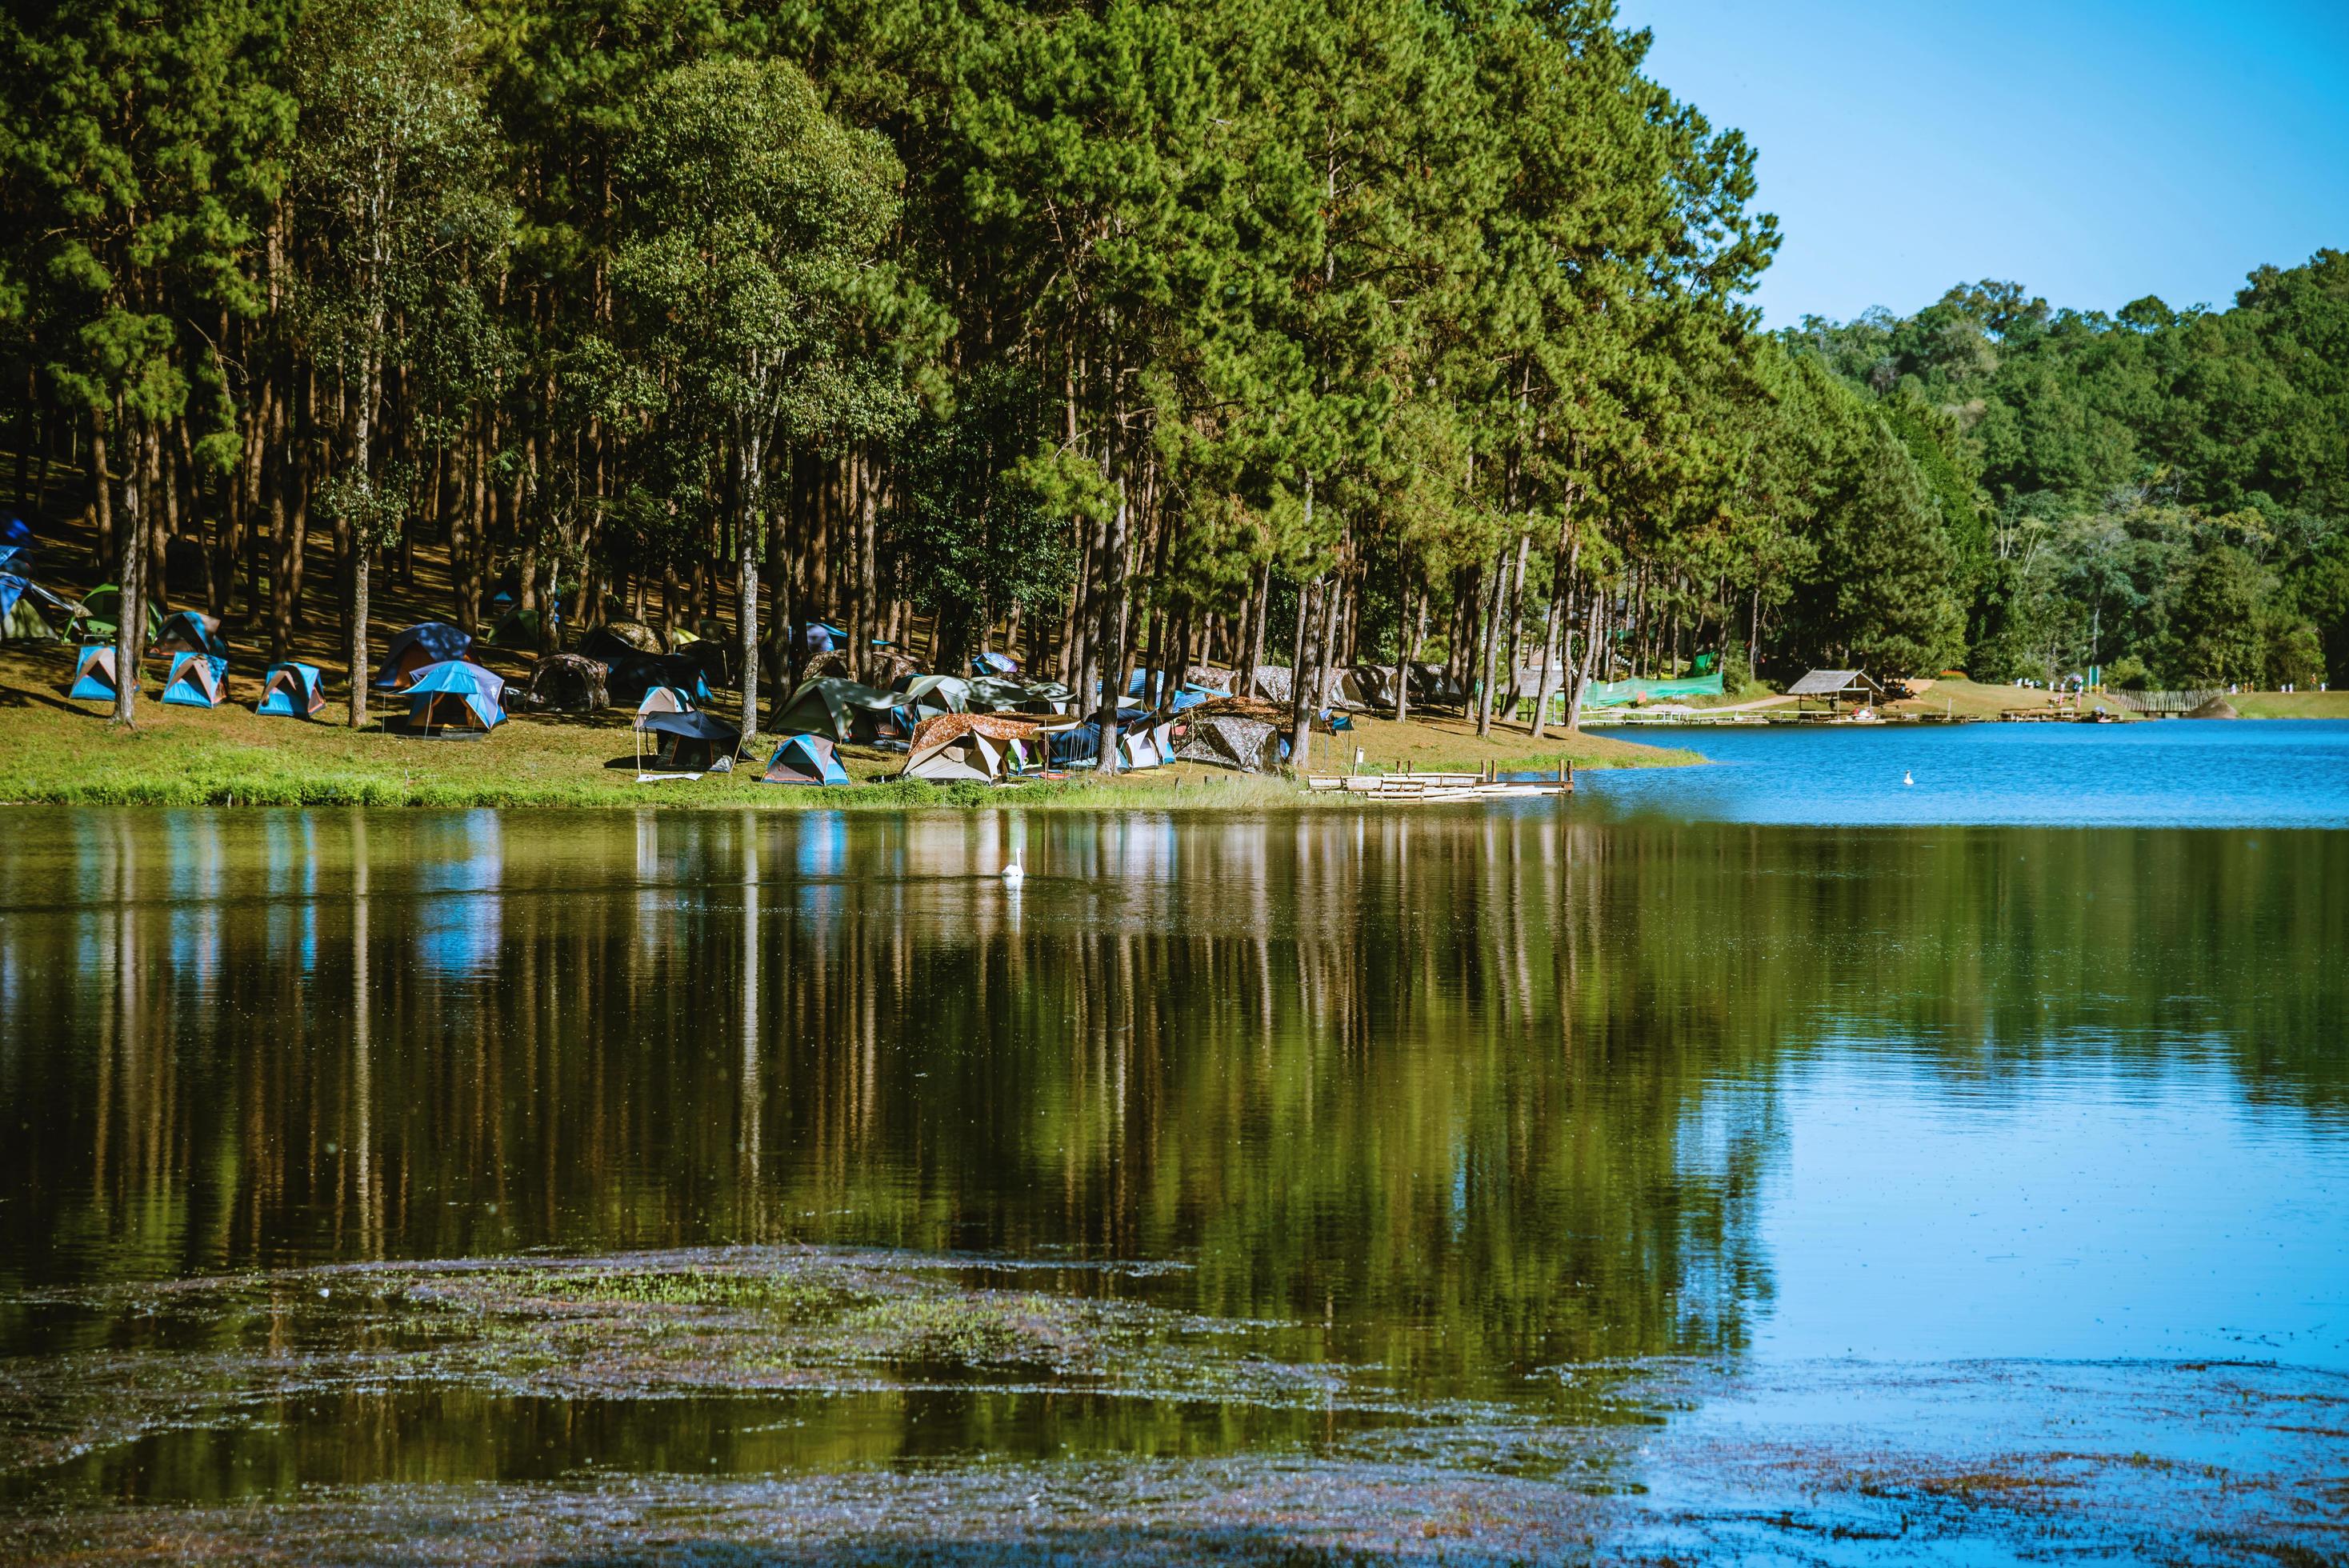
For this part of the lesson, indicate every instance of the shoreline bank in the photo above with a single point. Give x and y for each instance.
(54, 751)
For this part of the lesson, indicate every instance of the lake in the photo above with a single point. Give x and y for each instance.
(1721, 1162)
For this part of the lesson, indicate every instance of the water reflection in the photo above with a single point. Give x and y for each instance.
(1473, 1093)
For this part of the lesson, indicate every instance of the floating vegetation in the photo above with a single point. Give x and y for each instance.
(749, 1320)
(796, 1405)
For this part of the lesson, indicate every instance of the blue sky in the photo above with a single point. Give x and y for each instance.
(2092, 152)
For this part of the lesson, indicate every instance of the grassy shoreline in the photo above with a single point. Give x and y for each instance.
(54, 751)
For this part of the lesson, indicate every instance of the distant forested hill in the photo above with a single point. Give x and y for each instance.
(2163, 493)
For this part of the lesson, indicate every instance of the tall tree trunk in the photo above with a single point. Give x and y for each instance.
(360, 531)
(1754, 635)
(1332, 602)
(1489, 641)
(1594, 640)
(1302, 698)
(1567, 556)
(1300, 715)
(1403, 649)
(1252, 634)
(748, 463)
(1111, 566)
(130, 601)
(1517, 619)
(280, 481)
(860, 591)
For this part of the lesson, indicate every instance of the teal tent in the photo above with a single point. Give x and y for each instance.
(94, 677)
(806, 760)
(196, 680)
(194, 631)
(455, 696)
(292, 691)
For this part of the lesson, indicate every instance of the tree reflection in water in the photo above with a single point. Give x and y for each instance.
(1460, 1095)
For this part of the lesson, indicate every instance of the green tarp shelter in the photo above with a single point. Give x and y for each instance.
(842, 710)
(1619, 694)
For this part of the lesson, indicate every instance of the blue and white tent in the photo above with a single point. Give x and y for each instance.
(292, 691)
(454, 696)
(196, 680)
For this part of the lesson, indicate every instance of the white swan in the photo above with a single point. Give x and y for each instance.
(1906, 780)
(1013, 873)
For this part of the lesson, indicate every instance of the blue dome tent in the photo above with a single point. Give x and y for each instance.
(94, 675)
(292, 691)
(416, 648)
(806, 760)
(196, 680)
(194, 631)
(453, 697)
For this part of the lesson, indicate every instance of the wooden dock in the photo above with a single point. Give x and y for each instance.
(1429, 788)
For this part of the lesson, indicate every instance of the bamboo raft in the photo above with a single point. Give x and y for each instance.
(1429, 788)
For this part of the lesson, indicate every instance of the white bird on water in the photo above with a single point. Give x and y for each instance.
(1905, 779)
(1013, 873)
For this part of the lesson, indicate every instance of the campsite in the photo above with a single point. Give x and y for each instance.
(458, 719)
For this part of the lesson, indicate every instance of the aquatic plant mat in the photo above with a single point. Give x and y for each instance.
(806, 1405)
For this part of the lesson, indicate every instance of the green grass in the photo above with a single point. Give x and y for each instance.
(54, 751)
(2291, 704)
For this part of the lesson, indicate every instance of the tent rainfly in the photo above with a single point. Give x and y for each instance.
(843, 711)
(196, 680)
(292, 691)
(101, 611)
(29, 612)
(972, 746)
(455, 697)
(805, 760)
(518, 628)
(609, 643)
(935, 694)
(628, 677)
(194, 631)
(1239, 733)
(1001, 693)
(567, 682)
(415, 648)
(94, 677)
(686, 742)
(1833, 687)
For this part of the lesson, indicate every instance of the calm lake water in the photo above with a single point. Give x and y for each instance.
(2204, 773)
(1491, 1110)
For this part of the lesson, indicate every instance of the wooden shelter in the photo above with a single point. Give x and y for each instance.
(1834, 687)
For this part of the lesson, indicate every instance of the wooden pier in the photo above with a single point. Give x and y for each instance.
(1429, 788)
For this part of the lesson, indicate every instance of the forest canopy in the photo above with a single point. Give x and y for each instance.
(1106, 334)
